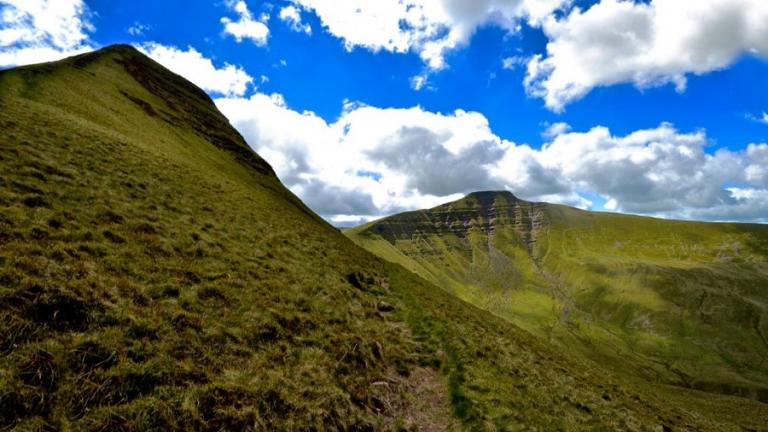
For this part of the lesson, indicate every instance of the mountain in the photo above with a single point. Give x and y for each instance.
(684, 303)
(156, 275)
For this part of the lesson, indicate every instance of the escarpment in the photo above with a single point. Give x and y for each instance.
(478, 213)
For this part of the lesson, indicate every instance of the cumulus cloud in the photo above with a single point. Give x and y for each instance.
(35, 31)
(372, 162)
(746, 205)
(229, 80)
(246, 27)
(649, 171)
(430, 28)
(659, 171)
(756, 171)
(419, 154)
(291, 16)
(645, 43)
(328, 199)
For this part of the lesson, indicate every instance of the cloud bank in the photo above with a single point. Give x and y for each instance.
(375, 161)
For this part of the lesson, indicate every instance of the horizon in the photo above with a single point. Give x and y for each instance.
(380, 108)
(379, 219)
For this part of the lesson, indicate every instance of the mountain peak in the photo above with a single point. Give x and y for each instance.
(480, 211)
(119, 48)
(163, 95)
(115, 49)
(491, 195)
(486, 199)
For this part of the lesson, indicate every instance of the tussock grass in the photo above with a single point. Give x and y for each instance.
(151, 279)
(681, 303)
(155, 275)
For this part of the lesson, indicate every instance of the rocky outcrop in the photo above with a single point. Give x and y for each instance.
(482, 212)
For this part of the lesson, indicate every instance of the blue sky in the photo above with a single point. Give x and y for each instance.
(628, 94)
(718, 101)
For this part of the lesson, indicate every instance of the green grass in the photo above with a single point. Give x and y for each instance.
(158, 281)
(155, 275)
(674, 302)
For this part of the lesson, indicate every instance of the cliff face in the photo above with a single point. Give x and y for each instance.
(479, 213)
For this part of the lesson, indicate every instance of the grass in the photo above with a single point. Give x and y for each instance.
(674, 302)
(157, 281)
(155, 275)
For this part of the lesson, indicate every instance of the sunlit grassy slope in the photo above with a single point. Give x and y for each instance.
(684, 303)
(155, 274)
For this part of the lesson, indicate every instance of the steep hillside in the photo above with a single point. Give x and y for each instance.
(155, 275)
(684, 303)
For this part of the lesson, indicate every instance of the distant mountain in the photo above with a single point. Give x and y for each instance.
(155, 275)
(684, 303)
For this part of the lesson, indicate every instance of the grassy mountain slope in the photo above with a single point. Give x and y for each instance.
(155, 274)
(677, 302)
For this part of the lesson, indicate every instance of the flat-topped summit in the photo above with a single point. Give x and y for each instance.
(492, 195)
(480, 212)
(483, 199)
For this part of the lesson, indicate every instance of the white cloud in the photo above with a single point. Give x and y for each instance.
(555, 129)
(421, 81)
(430, 28)
(514, 62)
(35, 31)
(370, 161)
(748, 205)
(291, 15)
(756, 171)
(138, 29)
(654, 171)
(229, 80)
(33, 55)
(758, 118)
(246, 27)
(648, 44)
(374, 161)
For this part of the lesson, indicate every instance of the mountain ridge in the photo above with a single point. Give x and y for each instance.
(566, 273)
(151, 279)
(485, 208)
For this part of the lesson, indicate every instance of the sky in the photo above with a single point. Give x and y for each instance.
(367, 108)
